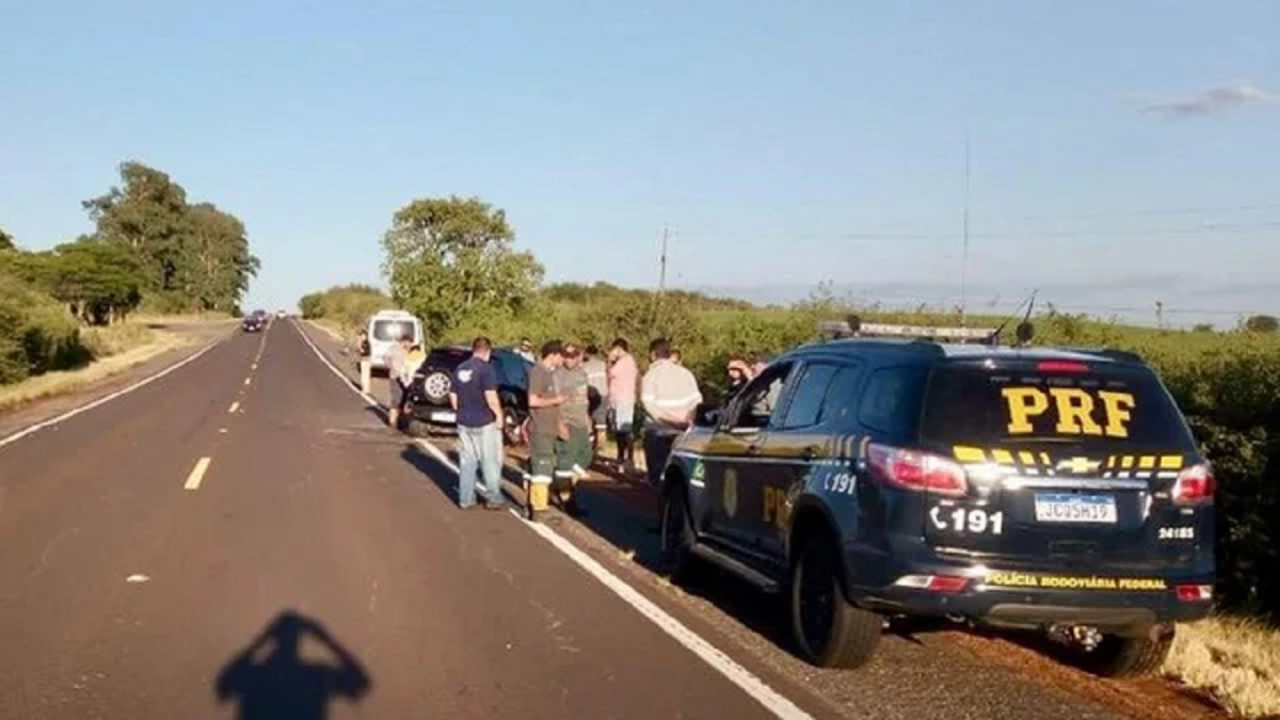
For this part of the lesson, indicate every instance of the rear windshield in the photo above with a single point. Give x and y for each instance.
(448, 357)
(1108, 405)
(392, 330)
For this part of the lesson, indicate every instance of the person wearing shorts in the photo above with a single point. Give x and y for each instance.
(623, 378)
(544, 426)
(399, 378)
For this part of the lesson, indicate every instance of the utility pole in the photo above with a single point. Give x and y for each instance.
(964, 253)
(662, 279)
(1160, 314)
(662, 271)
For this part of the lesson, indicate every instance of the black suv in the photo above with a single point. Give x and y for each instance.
(428, 399)
(1035, 489)
(253, 323)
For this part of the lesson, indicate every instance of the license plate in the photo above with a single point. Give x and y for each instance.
(1076, 509)
(444, 416)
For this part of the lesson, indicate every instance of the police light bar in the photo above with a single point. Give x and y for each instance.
(842, 329)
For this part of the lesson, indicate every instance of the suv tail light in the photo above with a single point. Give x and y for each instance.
(915, 470)
(1195, 485)
(1194, 593)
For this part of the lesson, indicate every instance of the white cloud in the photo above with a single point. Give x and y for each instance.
(1211, 101)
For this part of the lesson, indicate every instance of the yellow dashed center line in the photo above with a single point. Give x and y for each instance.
(197, 474)
(234, 407)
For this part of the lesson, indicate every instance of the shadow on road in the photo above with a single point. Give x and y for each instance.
(271, 680)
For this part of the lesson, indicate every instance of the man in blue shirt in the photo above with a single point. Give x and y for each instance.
(474, 397)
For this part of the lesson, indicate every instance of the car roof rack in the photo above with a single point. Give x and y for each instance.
(847, 329)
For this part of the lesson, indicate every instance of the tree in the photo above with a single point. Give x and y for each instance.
(6, 240)
(193, 257)
(451, 259)
(146, 213)
(1267, 324)
(99, 282)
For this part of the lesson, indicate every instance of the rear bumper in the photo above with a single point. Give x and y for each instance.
(1123, 601)
(434, 414)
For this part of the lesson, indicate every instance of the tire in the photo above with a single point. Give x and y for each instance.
(436, 386)
(676, 532)
(1124, 657)
(829, 632)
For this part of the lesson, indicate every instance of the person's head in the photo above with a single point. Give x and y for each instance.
(676, 356)
(572, 355)
(738, 371)
(552, 353)
(619, 348)
(364, 334)
(481, 348)
(406, 341)
(592, 352)
(526, 345)
(659, 349)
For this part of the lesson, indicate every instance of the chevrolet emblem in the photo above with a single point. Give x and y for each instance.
(1079, 465)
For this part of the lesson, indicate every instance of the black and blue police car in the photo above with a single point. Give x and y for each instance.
(943, 474)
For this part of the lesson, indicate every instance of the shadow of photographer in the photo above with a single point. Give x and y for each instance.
(271, 679)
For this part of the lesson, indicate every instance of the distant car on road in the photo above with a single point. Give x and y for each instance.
(429, 395)
(253, 323)
(385, 329)
(281, 314)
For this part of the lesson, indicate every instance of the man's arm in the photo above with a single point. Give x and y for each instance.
(491, 397)
(453, 400)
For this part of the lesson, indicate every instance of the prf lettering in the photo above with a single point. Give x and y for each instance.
(1074, 408)
(775, 506)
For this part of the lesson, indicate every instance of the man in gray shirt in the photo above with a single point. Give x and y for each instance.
(544, 426)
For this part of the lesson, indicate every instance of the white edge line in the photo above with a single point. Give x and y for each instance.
(197, 474)
(346, 381)
(105, 399)
(234, 406)
(737, 674)
(753, 686)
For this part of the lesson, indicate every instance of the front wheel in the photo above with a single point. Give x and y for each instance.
(830, 632)
(1128, 657)
(677, 532)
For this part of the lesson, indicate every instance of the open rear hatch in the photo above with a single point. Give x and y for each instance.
(1062, 461)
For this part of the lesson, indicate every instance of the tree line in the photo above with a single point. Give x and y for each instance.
(150, 248)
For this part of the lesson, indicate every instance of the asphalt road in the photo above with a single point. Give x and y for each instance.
(244, 537)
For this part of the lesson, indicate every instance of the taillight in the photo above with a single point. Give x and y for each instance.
(1195, 485)
(915, 470)
(1194, 593)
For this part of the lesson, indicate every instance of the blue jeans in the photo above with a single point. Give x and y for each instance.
(482, 447)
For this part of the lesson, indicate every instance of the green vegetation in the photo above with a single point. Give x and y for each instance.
(150, 249)
(345, 308)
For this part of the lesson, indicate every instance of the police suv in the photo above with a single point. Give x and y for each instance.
(1051, 489)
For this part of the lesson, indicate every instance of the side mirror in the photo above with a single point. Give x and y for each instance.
(707, 417)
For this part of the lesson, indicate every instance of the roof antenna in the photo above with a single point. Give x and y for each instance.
(1025, 330)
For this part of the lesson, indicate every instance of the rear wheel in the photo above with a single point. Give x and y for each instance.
(1126, 657)
(677, 532)
(829, 631)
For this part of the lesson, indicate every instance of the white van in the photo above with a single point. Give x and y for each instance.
(386, 327)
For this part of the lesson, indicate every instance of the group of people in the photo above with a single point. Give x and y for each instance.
(575, 396)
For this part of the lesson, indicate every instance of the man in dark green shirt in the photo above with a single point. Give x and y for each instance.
(544, 425)
(573, 452)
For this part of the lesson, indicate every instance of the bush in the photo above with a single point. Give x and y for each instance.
(37, 334)
(349, 306)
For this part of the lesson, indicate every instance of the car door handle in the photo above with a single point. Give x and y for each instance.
(809, 453)
(753, 449)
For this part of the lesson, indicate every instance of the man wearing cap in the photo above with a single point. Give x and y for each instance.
(474, 396)
(544, 426)
(573, 450)
(526, 350)
(671, 397)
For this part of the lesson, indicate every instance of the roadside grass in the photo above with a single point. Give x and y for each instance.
(335, 329)
(116, 349)
(1235, 660)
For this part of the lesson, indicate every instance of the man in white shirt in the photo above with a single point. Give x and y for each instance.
(671, 397)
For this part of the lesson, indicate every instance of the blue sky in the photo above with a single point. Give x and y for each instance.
(1122, 152)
